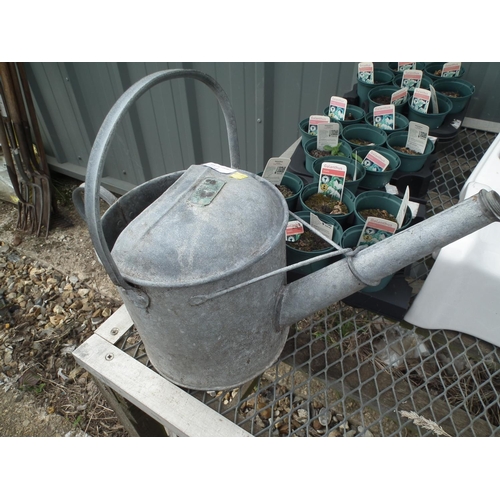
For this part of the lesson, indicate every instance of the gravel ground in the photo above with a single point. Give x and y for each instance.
(53, 295)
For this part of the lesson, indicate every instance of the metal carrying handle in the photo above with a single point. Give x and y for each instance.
(78, 192)
(101, 146)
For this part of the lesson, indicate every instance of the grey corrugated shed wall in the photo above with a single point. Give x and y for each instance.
(179, 123)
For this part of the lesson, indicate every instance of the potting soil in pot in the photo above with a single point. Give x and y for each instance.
(308, 242)
(377, 212)
(360, 142)
(382, 99)
(326, 205)
(406, 150)
(285, 190)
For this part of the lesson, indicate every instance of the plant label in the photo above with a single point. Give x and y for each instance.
(375, 161)
(314, 121)
(402, 66)
(418, 134)
(421, 100)
(328, 136)
(293, 231)
(375, 230)
(220, 168)
(365, 72)
(332, 180)
(402, 209)
(412, 78)
(337, 109)
(383, 116)
(399, 97)
(324, 228)
(451, 69)
(275, 170)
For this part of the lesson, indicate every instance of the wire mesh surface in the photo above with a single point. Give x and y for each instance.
(346, 371)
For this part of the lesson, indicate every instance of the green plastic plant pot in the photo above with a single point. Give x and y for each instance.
(351, 167)
(293, 182)
(357, 114)
(345, 150)
(384, 91)
(377, 180)
(432, 120)
(431, 68)
(304, 126)
(380, 200)
(364, 132)
(409, 163)
(348, 198)
(393, 66)
(465, 89)
(294, 255)
(381, 77)
(350, 239)
(400, 121)
(424, 84)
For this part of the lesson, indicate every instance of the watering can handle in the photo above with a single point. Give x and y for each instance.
(101, 146)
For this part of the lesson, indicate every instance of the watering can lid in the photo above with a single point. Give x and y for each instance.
(206, 225)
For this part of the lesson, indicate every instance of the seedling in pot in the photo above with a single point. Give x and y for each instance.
(328, 199)
(327, 143)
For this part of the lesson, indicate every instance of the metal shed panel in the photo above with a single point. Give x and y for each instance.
(180, 123)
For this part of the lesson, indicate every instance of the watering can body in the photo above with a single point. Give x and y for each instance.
(193, 242)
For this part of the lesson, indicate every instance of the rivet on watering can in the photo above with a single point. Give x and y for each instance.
(109, 356)
(259, 120)
(114, 331)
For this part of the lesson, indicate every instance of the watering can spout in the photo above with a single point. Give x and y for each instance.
(367, 267)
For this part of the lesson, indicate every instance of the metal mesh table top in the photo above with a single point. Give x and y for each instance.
(347, 371)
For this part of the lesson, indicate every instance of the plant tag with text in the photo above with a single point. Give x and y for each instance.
(399, 97)
(402, 66)
(451, 69)
(314, 121)
(293, 231)
(324, 228)
(402, 209)
(418, 134)
(375, 162)
(220, 168)
(275, 170)
(332, 180)
(384, 116)
(375, 230)
(421, 100)
(366, 72)
(337, 108)
(412, 78)
(328, 135)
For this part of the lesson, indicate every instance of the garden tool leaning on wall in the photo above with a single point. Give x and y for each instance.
(25, 158)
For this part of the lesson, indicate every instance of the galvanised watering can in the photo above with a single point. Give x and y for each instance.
(198, 257)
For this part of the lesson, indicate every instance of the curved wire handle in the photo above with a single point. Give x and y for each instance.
(103, 141)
